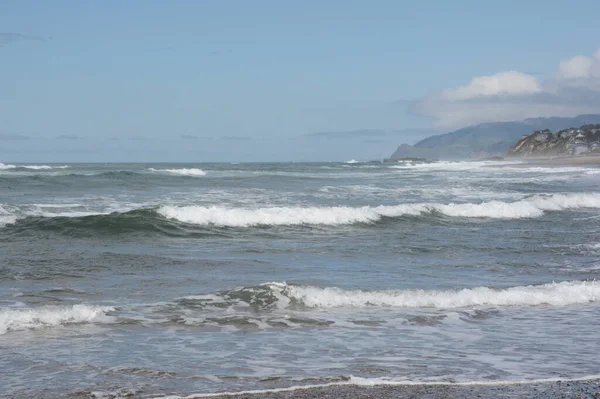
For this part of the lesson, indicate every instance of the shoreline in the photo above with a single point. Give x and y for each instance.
(556, 389)
(560, 161)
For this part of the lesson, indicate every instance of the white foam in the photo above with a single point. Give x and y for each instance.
(33, 167)
(373, 382)
(5, 167)
(494, 166)
(23, 319)
(548, 169)
(243, 217)
(449, 165)
(374, 192)
(6, 217)
(36, 167)
(588, 249)
(180, 172)
(555, 294)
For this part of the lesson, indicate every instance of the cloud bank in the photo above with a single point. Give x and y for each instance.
(572, 90)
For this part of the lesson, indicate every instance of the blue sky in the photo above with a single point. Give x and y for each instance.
(277, 80)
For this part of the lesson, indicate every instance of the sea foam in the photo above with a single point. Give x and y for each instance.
(489, 166)
(180, 172)
(33, 167)
(23, 319)
(449, 165)
(555, 294)
(244, 217)
(6, 217)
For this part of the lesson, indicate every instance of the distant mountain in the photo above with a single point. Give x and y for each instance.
(486, 139)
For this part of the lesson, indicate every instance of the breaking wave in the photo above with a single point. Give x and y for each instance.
(6, 217)
(24, 319)
(32, 167)
(275, 216)
(180, 172)
(448, 165)
(282, 295)
(492, 166)
(178, 220)
(243, 217)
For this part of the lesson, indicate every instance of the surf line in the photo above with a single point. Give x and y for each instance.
(365, 382)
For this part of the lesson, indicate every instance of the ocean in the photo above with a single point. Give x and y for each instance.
(150, 280)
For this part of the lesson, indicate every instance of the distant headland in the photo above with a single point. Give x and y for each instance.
(498, 139)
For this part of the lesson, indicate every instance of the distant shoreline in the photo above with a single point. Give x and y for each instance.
(553, 161)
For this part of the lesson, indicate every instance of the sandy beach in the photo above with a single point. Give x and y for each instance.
(570, 389)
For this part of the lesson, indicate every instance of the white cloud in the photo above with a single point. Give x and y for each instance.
(574, 89)
(503, 83)
(577, 67)
(580, 67)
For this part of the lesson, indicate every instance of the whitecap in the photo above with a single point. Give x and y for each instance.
(6, 217)
(555, 294)
(448, 165)
(33, 167)
(6, 167)
(180, 172)
(493, 166)
(531, 207)
(23, 319)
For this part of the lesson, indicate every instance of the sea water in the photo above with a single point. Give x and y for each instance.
(173, 279)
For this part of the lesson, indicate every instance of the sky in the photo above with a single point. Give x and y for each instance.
(236, 81)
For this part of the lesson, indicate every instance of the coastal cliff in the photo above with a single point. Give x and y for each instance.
(544, 143)
(486, 139)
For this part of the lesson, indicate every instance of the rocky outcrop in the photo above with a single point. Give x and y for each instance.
(485, 140)
(544, 143)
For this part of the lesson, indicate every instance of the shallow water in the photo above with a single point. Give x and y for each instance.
(178, 279)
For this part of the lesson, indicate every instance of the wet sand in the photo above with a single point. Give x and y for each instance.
(587, 389)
